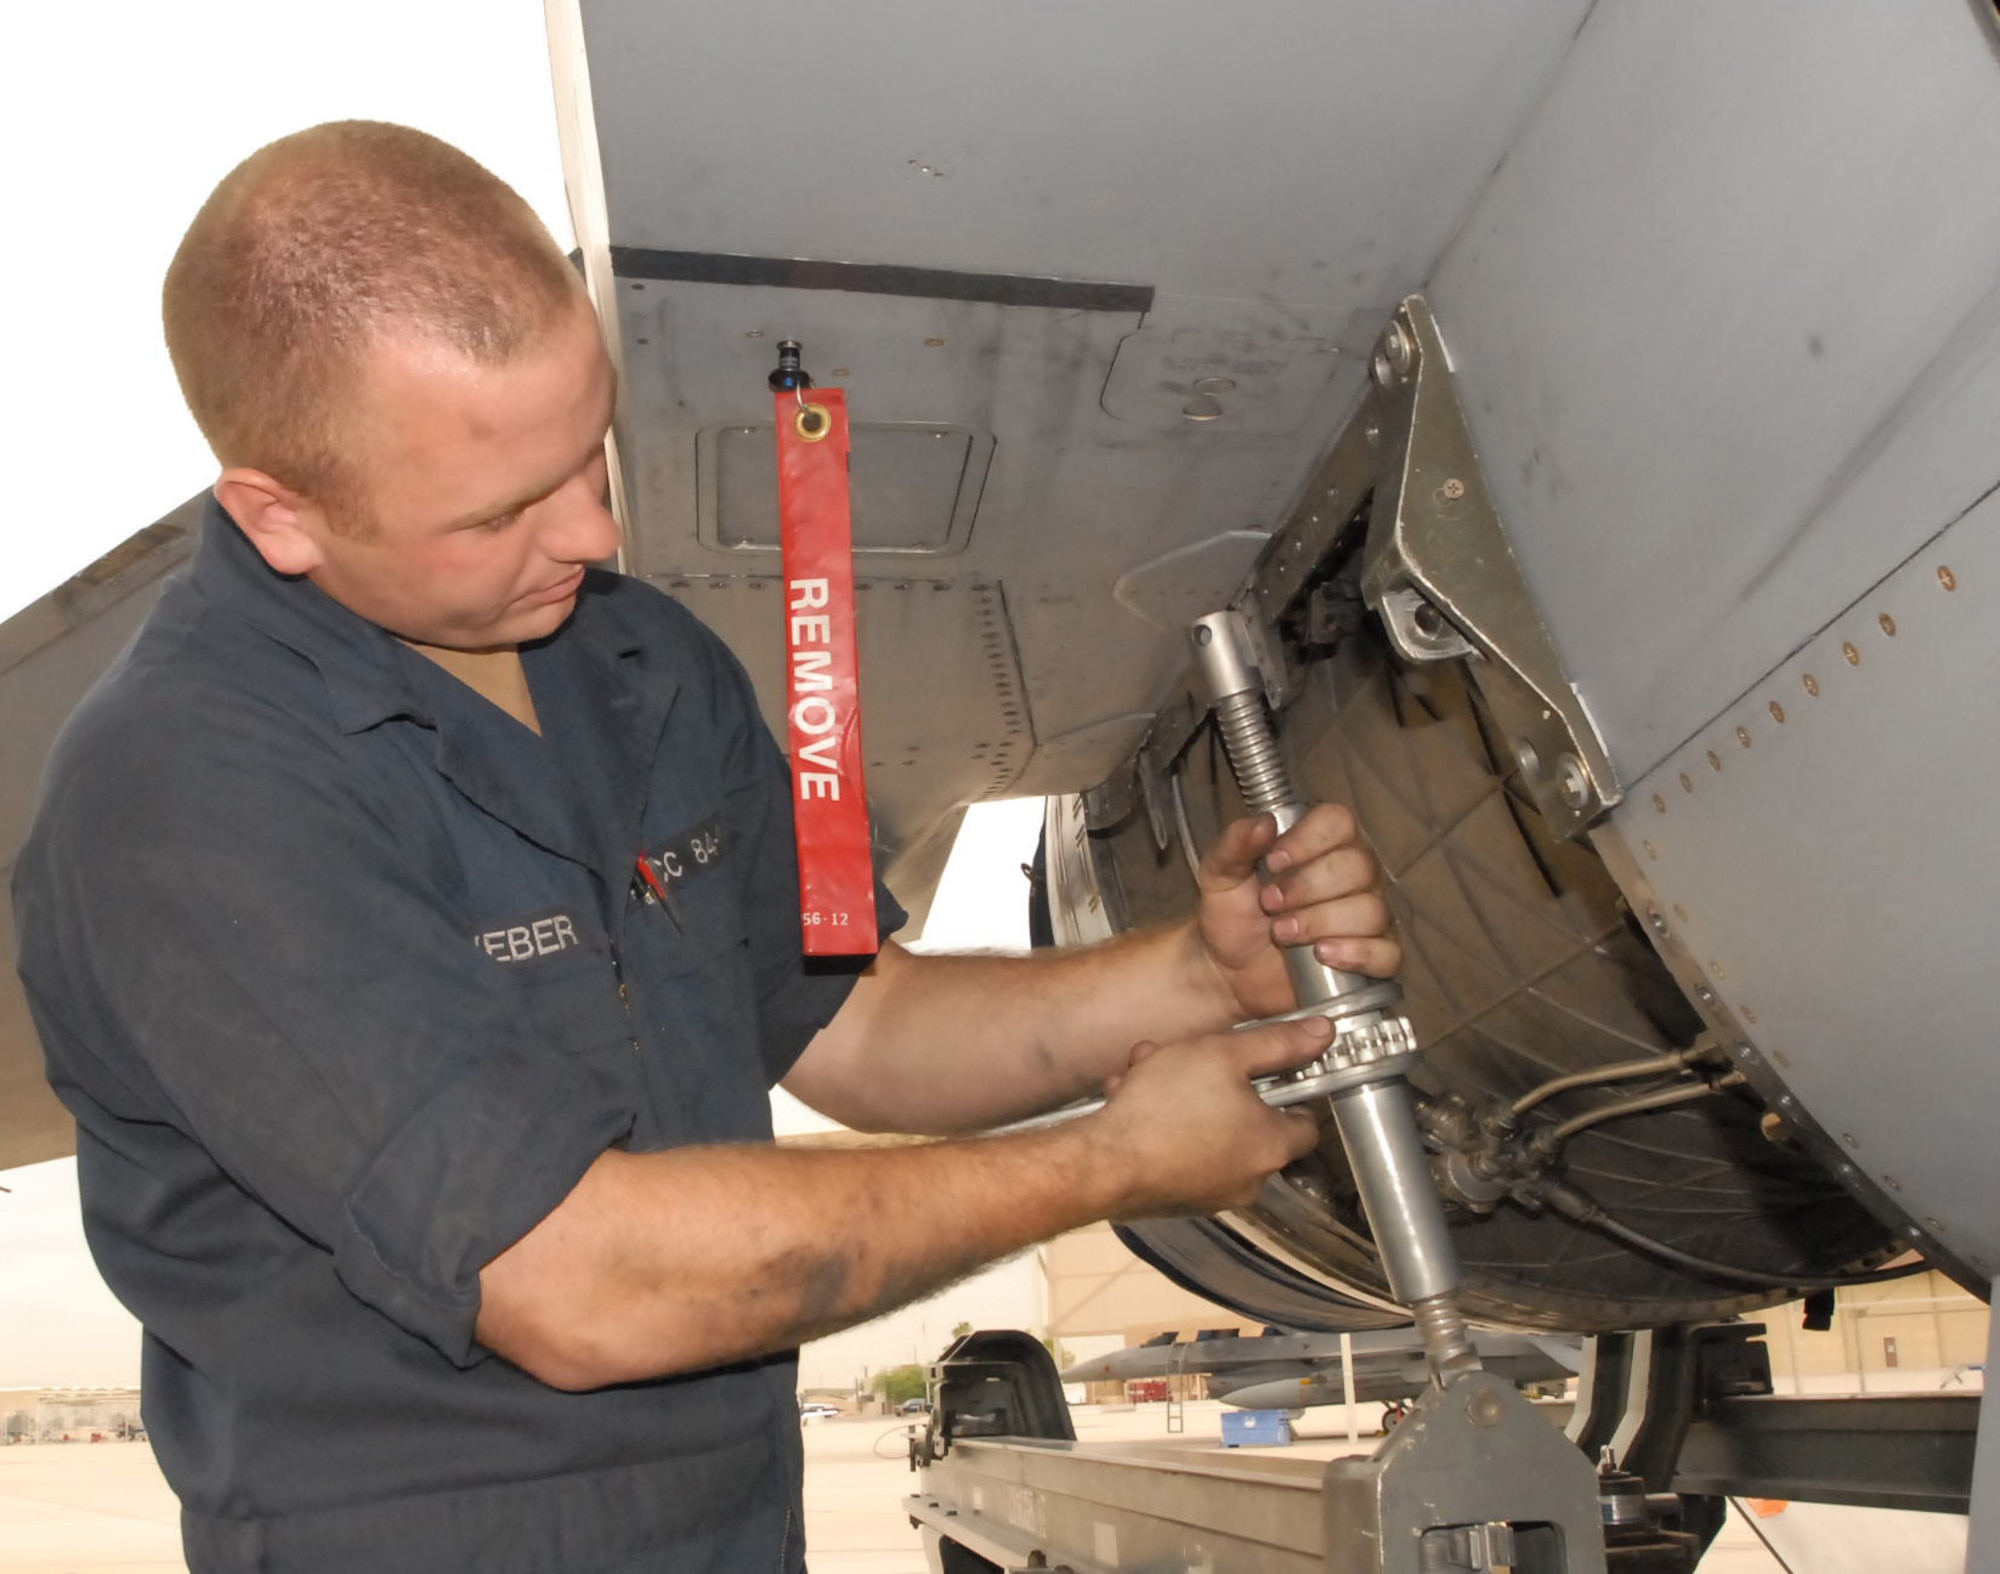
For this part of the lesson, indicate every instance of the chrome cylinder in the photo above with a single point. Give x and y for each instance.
(1397, 1193)
(1376, 1116)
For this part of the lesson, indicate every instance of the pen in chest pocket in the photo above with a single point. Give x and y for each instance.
(651, 883)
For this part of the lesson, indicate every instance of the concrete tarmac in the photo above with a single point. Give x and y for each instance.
(102, 1508)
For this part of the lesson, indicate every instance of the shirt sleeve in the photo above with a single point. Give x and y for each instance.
(226, 933)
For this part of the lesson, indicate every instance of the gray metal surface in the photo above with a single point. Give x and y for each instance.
(1859, 960)
(1735, 260)
(1911, 1451)
(1467, 1456)
(50, 653)
(1271, 183)
(1446, 583)
(1106, 1507)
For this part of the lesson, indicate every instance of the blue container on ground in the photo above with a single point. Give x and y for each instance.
(1256, 1428)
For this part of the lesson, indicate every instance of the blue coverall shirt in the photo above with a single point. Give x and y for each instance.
(347, 978)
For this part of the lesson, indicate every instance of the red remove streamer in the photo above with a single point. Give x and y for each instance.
(822, 688)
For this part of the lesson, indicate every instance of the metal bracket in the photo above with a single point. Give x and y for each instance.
(1442, 575)
(1469, 1462)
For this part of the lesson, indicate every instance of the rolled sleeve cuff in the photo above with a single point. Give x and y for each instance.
(482, 1163)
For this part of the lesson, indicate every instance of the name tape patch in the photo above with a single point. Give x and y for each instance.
(679, 858)
(531, 939)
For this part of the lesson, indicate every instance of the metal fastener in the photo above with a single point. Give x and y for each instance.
(1486, 1408)
(1812, 684)
(1714, 760)
(1659, 803)
(1888, 625)
(1853, 656)
(1452, 490)
(1393, 356)
(1777, 713)
(1743, 736)
(1947, 579)
(1656, 923)
(1572, 781)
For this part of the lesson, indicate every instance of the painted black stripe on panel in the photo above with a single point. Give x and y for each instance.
(876, 278)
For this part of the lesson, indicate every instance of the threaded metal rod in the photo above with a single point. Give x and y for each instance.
(1254, 755)
(1377, 1119)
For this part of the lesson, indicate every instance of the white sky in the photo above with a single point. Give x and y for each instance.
(118, 119)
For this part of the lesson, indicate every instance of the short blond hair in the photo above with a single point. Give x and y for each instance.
(313, 247)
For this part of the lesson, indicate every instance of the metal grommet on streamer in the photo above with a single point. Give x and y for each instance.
(812, 422)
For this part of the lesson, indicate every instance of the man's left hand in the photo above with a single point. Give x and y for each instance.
(1325, 891)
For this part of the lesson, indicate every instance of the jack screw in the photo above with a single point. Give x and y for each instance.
(1365, 1068)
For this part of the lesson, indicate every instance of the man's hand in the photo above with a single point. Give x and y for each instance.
(1188, 1132)
(1324, 892)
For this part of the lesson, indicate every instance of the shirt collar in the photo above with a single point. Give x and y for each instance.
(356, 659)
(360, 662)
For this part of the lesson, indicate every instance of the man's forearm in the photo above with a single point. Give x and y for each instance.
(697, 1257)
(956, 1043)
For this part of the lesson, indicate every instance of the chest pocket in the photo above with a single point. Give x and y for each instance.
(561, 964)
(688, 968)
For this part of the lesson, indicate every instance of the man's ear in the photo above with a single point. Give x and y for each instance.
(281, 524)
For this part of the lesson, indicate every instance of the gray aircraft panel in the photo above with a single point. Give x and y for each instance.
(1313, 150)
(1834, 880)
(1065, 463)
(1726, 267)
(1262, 191)
(50, 653)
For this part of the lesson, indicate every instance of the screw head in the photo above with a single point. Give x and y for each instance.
(1486, 1408)
(1572, 781)
(1452, 490)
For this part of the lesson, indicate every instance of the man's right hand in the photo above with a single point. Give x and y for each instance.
(1189, 1132)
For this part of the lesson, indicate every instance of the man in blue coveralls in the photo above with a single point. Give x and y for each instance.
(430, 1147)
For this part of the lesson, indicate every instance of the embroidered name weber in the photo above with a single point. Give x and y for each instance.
(531, 939)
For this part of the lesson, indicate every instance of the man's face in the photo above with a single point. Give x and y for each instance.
(482, 490)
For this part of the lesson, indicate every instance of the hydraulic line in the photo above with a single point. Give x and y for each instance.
(1365, 1069)
(1638, 1104)
(1585, 1210)
(1673, 1060)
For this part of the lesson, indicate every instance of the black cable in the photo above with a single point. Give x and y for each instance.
(1574, 1205)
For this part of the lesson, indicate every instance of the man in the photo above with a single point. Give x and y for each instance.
(429, 1145)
